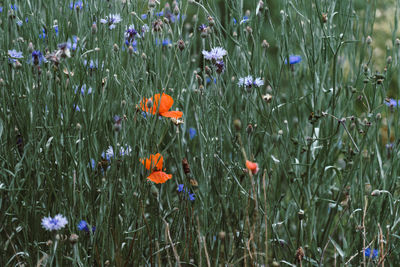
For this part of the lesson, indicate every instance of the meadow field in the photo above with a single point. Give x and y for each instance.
(199, 133)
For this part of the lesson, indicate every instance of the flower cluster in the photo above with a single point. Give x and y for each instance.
(249, 82)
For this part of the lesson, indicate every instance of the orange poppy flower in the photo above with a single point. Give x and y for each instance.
(162, 104)
(153, 162)
(159, 177)
(252, 166)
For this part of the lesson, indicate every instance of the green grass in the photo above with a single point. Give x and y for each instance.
(327, 183)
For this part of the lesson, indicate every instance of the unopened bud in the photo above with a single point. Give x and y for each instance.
(152, 3)
(176, 10)
(181, 45)
(300, 214)
(375, 193)
(368, 40)
(249, 29)
(149, 103)
(211, 21)
(237, 124)
(397, 42)
(115, 47)
(389, 60)
(73, 238)
(324, 17)
(265, 44)
(144, 57)
(78, 126)
(131, 50)
(94, 28)
(30, 47)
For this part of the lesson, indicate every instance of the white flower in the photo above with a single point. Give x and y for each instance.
(111, 20)
(56, 223)
(249, 82)
(215, 54)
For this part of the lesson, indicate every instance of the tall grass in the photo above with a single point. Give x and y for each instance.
(322, 131)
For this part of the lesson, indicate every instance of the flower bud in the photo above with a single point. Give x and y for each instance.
(237, 124)
(181, 45)
(94, 28)
(375, 193)
(368, 40)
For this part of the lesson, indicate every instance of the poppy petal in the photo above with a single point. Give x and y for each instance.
(172, 114)
(154, 161)
(166, 103)
(159, 177)
(252, 166)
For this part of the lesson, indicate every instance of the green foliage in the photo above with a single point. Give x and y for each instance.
(321, 131)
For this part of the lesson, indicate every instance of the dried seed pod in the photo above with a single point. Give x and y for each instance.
(185, 166)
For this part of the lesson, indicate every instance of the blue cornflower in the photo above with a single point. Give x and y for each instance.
(160, 14)
(130, 33)
(123, 151)
(217, 53)
(249, 82)
(93, 164)
(14, 7)
(56, 29)
(369, 255)
(15, 54)
(111, 20)
(72, 45)
(76, 5)
(26, 20)
(77, 108)
(293, 59)
(166, 42)
(43, 34)
(19, 22)
(56, 223)
(192, 133)
(37, 58)
(83, 90)
(392, 102)
(92, 64)
(245, 19)
(202, 27)
(187, 193)
(83, 226)
(144, 16)
(180, 188)
(1, 9)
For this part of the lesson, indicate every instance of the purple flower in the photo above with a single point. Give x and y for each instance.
(191, 197)
(216, 53)
(111, 20)
(56, 29)
(202, 27)
(56, 223)
(14, 7)
(43, 34)
(144, 16)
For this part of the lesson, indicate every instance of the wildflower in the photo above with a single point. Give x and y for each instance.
(162, 104)
(76, 5)
(143, 16)
(56, 29)
(83, 90)
(154, 163)
(220, 66)
(37, 58)
(1, 9)
(83, 226)
(19, 22)
(14, 54)
(244, 20)
(130, 33)
(14, 7)
(123, 151)
(111, 20)
(293, 59)
(72, 45)
(192, 133)
(43, 34)
(190, 196)
(249, 82)
(252, 166)
(56, 223)
(180, 188)
(391, 102)
(215, 54)
(369, 255)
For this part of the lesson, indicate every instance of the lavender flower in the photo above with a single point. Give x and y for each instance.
(76, 5)
(215, 54)
(249, 82)
(392, 102)
(14, 54)
(56, 223)
(111, 20)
